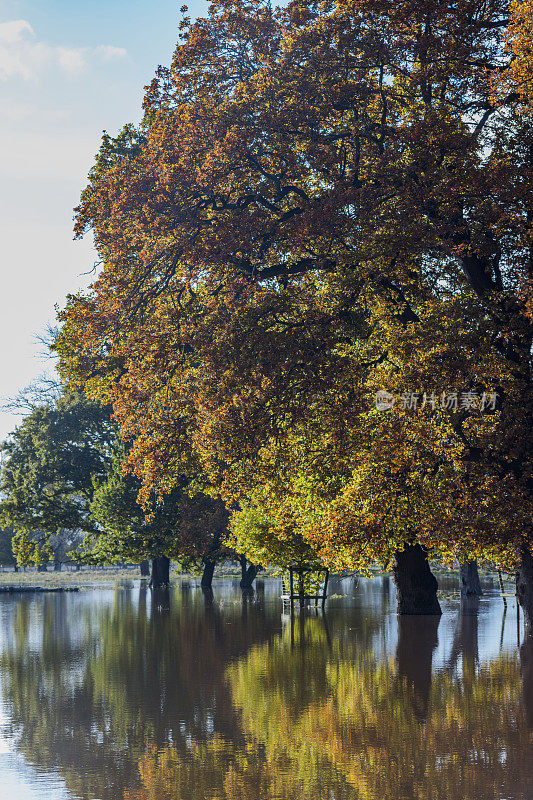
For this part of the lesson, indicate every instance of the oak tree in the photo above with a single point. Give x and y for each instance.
(325, 201)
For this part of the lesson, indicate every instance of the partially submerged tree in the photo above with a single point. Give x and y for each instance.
(187, 529)
(325, 202)
(469, 578)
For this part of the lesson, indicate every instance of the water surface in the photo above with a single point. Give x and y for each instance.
(115, 695)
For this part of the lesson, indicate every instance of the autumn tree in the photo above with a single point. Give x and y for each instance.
(323, 202)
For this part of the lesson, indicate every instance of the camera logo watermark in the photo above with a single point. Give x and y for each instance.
(384, 400)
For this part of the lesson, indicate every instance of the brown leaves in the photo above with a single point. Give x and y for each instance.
(322, 203)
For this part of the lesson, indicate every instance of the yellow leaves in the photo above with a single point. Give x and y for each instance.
(518, 38)
(296, 228)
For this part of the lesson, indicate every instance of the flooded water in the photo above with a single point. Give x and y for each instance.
(110, 695)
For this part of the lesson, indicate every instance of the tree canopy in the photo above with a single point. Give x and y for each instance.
(188, 529)
(50, 464)
(325, 201)
(63, 490)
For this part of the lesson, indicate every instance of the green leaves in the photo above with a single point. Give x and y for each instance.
(321, 204)
(50, 463)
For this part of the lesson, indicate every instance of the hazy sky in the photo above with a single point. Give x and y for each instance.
(68, 70)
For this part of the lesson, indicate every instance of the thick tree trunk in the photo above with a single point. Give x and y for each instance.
(207, 578)
(160, 572)
(41, 568)
(470, 584)
(16, 567)
(243, 561)
(251, 574)
(415, 583)
(524, 586)
(248, 575)
(57, 566)
(145, 569)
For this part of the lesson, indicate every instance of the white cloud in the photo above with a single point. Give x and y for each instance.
(71, 61)
(109, 53)
(12, 31)
(23, 56)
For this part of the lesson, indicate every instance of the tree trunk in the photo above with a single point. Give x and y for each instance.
(249, 574)
(57, 566)
(16, 567)
(243, 562)
(160, 572)
(41, 568)
(145, 569)
(207, 578)
(415, 583)
(301, 591)
(524, 586)
(470, 584)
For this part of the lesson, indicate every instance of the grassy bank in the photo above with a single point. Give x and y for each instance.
(67, 578)
(91, 578)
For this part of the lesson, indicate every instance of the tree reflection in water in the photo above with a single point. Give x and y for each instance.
(392, 729)
(87, 687)
(179, 700)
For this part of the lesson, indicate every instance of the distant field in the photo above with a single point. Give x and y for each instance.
(110, 575)
(87, 577)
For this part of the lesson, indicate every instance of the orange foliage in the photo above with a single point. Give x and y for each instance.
(324, 201)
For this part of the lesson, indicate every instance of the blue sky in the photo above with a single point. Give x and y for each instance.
(68, 70)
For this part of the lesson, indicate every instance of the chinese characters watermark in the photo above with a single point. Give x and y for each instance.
(447, 401)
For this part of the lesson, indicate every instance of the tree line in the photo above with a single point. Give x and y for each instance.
(324, 207)
(64, 497)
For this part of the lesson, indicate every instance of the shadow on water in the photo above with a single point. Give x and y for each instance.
(417, 639)
(526, 664)
(139, 695)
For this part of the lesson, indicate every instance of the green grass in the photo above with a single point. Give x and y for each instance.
(56, 580)
(97, 577)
